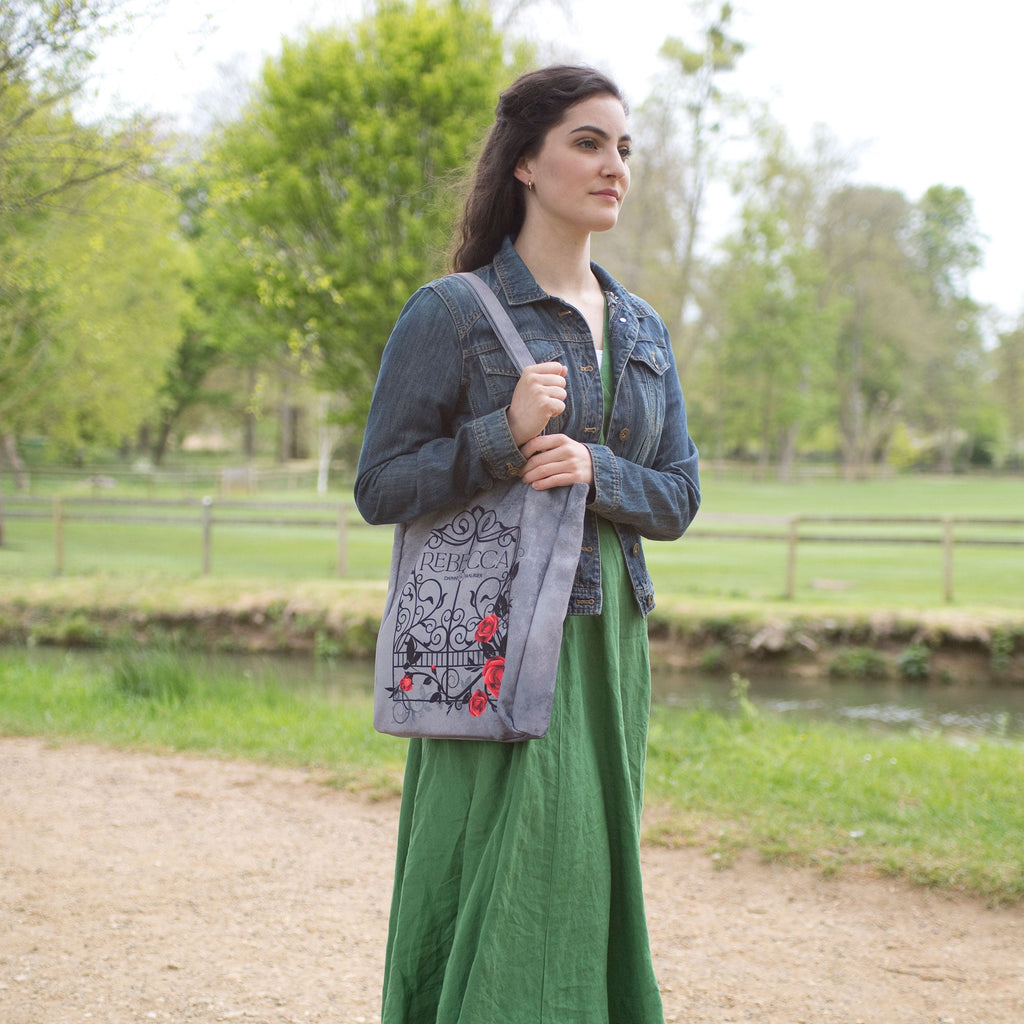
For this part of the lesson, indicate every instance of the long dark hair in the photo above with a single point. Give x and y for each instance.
(526, 111)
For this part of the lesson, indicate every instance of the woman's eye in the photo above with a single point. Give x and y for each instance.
(625, 152)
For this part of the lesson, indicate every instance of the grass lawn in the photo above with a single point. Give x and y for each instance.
(936, 812)
(920, 807)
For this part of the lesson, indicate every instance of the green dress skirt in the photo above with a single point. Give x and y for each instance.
(517, 894)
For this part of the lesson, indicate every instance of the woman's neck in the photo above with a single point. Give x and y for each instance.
(564, 270)
(561, 266)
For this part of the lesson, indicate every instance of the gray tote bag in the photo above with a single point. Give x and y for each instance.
(477, 594)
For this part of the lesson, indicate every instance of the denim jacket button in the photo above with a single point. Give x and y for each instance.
(636, 550)
(624, 433)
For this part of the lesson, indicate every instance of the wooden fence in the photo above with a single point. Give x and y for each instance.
(204, 513)
(796, 530)
(945, 532)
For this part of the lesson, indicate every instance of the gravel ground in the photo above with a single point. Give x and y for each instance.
(142, 887)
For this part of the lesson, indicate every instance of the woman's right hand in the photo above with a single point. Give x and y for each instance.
(539, 396)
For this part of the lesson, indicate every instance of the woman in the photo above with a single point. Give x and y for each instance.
(517, 894)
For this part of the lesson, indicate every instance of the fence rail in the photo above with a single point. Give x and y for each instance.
(201, 513)
(946, 532)
(795, 534)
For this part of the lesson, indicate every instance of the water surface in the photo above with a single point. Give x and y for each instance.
(959, 710)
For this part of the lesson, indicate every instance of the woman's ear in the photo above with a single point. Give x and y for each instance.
(523, 172)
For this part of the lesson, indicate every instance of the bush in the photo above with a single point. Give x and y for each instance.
(915, 663)
(858, 663)
(1001, 648)
(714, 658)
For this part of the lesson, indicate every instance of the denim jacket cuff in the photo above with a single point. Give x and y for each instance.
(497, 446)
(606, 494)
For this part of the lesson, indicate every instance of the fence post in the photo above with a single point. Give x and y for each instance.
(794, 537)
(947, 559)
(58, 535)
(342, 540)
(207, 526)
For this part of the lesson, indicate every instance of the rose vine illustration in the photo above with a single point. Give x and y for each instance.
(453, 618)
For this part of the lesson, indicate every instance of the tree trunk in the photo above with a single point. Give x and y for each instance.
(947, 457)
(285, 425)
(249, 422)
(787, 453)
(163, 437)
(13, 459)
(325, 444)
(9, 450)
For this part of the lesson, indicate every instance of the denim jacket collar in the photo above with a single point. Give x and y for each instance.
(520, 287)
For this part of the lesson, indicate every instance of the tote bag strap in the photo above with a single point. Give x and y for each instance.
(500, 321)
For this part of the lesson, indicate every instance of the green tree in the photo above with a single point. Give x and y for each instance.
(336, 182)
(771, 360)
(48, 160)
(869, 267)
(46, 49)
(220, 330)
(943, 390)
(1008, 363)
(116, 274)
(28, 350)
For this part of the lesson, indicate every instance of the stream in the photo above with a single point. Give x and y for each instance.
(958, 710)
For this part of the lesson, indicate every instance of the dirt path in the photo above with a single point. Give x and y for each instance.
(136, 887)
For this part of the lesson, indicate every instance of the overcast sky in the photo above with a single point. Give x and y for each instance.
(928, 91)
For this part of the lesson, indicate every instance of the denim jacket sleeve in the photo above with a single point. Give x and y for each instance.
(421, 450)
(657, 495)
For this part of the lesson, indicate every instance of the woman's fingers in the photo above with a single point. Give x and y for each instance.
(555, 460)
(539, 396)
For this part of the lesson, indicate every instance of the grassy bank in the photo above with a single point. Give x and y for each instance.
(926, 809)
(273, 584)
(340, 619)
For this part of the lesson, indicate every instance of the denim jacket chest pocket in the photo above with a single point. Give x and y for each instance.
(639, 411)
(500, 375)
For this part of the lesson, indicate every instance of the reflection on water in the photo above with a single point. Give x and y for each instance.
(977, 710)
(963, 710)
(959, 710)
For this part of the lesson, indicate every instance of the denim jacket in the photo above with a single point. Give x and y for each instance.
(438, 433)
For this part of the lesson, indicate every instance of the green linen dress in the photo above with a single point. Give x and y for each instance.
(517, 896)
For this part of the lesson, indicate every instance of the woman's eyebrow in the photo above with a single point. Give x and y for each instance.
(599, 131)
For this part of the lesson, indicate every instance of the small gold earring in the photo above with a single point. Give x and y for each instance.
(529, 185)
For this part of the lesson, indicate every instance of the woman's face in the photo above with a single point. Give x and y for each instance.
(580, 175)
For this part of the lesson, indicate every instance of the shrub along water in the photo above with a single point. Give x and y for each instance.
(924, 808)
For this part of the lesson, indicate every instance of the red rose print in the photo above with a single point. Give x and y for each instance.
(478, 703)
(405, 683)
(487, 628)
(494, 669)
